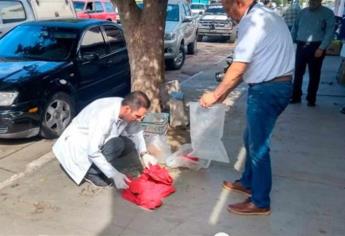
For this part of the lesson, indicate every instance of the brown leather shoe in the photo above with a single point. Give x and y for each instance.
(248, 208)
(236, 186)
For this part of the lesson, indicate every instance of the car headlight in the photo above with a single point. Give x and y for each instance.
(7, 98)
(169, 36)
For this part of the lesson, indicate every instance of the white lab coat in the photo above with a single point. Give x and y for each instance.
(80, 144)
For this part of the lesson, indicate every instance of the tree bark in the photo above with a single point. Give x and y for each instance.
(144, 34)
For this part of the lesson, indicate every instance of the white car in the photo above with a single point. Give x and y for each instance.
(198, 8)
(215, 22)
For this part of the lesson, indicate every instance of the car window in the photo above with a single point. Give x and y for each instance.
(216, 10)
(45, 43)
(98, 7)
(78, 6)
(90, 6)
(173, 13)
(114, 38)
(109, 7)
(12, 11)
(186, 10)
(93, 43)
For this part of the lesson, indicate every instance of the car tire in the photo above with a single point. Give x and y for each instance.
(232, 38)
(57, 114)
(177, 62)
(192, 47)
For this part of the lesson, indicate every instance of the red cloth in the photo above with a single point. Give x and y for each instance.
(150, 187)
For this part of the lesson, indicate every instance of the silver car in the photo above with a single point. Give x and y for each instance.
(180, 33)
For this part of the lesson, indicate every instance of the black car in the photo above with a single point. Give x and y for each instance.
(49, 70)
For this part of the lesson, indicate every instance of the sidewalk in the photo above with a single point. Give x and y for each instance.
(308, 150)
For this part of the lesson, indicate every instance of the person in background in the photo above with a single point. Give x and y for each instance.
(291, 13)
(313, 32)
(104, 131)
(264, 59)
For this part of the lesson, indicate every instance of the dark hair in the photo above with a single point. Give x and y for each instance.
(136, 100)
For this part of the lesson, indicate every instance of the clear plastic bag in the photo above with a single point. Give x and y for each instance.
(183, 158)
(207, 125)
(159, 147)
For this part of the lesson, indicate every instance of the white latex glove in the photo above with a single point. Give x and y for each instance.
(121, 180)
(149, 160)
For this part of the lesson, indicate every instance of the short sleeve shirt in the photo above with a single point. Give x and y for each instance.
(265, 43)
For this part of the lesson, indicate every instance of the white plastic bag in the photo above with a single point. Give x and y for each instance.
(159, 147)
(207, 125)
(182, 158)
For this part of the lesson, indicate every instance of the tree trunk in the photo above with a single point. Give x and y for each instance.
(144, 34)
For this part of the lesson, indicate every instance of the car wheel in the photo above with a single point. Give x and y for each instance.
(58, 113)
(192, 47)
(232, 38)
(177, 62)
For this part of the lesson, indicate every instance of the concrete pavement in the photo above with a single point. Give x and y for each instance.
(308, 162)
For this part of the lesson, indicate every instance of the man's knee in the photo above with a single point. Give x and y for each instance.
(113, 148)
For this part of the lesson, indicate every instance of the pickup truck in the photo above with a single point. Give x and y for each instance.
(215, 22)
(181, 33)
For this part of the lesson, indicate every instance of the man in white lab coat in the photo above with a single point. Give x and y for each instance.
(102, 132)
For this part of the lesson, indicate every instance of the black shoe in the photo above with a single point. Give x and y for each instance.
(295, 100)
(311, 104)
(97, 180)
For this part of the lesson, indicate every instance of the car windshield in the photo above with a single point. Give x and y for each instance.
(173, 13)
(197, 6)
(215, 11)
(79, 6)
(44, 43)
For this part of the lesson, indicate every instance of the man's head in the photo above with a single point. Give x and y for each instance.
(314, 4)
(236, 8)
(134, 106)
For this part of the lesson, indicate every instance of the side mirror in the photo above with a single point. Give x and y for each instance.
(187, 19)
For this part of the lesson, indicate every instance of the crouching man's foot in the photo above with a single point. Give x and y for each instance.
(98, 181)
(248, 208)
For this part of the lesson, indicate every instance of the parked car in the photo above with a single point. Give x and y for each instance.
(14, 12)
(98, 9)
(215, 22)
(45, 79)
(181, 32)
(198, 8)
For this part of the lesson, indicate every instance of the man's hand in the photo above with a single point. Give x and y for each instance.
(121, 180)
(207, 99)
(149, 160)
(318, 53)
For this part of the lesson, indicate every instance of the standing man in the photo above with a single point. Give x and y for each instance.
(102, 132)
(291, 13)
(313, 32)
(264, 59)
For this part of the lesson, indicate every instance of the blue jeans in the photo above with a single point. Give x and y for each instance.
(265, 102)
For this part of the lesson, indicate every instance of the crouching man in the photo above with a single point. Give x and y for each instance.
(102, 132)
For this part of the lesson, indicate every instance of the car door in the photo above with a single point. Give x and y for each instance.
(92, 66)
(119, 71)
(188, 26)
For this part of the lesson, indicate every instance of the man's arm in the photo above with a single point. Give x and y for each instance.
(232, 78)
(329, 34)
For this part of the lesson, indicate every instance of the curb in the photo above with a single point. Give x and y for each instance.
(30, 168)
